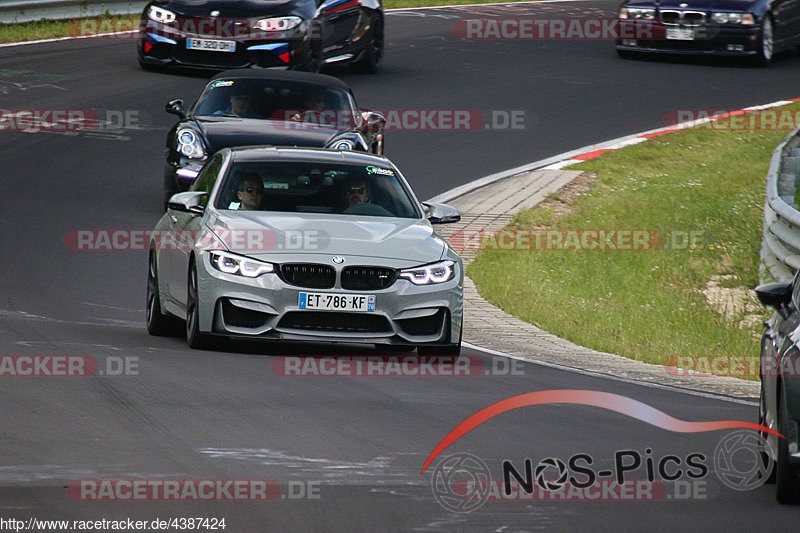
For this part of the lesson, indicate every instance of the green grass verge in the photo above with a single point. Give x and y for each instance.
(648, 305)
(54, 29)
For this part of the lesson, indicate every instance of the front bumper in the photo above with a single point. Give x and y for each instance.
(160, 46)
(712, 40)
(267, 308)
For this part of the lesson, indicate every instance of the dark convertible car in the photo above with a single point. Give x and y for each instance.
(780, 385)
(249, 107)
(298, 34)
(755, 29)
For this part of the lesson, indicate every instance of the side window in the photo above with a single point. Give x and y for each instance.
(207, 178)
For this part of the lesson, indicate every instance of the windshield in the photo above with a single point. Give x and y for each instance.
(303, 187)
(278, 100)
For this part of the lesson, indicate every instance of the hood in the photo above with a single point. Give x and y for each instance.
(225, 132)
(706, 5)
(360, 240)
(236, 8)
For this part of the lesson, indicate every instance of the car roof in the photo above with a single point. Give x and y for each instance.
(288, 75)
(272, 153)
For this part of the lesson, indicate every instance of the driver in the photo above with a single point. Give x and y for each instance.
(251, 192)
(241, 104)
(355, 192)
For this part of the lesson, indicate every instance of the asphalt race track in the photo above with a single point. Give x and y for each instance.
(361, 441)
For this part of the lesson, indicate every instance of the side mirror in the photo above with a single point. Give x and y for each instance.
(187, 202)
(776, 295)
(441, 213)
(372, 121)
(175, 107)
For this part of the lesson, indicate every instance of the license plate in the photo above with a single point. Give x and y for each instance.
(211, 45)
(680, 34)
(336, 302)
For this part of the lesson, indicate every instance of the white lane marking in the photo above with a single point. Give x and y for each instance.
(22, 315)
(112, 307)
(388, 11)
(59, 343)
(670, 388)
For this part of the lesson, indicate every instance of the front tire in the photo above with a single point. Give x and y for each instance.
(195, 339)
(762, 420)
(312, 61)
(159, 324)
(372, 58)
(766, 42)
(787, 489)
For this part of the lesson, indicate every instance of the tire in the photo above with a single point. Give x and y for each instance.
(766, 42)
(195, 339)
(787, 484)
(372, 58)
(159, 324)
(762, 420)
(312, 61)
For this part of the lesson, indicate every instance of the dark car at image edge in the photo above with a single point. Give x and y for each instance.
(755, 30)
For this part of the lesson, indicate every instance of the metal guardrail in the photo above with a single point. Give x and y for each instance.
(14, 11)
(780, 245)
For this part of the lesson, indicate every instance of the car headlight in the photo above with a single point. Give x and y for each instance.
(344, 144)
(190, 145)
(241, 266)
(159, 14)
(733, 18)
(278, 23)
(637, 13)
(430, 274)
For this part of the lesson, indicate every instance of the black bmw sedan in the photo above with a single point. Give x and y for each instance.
(296, 34)
(755, 29)
(251, 107)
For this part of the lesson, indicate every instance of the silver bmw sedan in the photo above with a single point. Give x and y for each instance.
(306, 245)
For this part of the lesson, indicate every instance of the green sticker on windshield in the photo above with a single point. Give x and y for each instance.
(379, 170)
(221, 83)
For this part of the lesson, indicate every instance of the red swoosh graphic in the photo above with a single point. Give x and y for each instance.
(605, 400)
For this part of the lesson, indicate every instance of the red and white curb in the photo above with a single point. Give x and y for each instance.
(593, 151)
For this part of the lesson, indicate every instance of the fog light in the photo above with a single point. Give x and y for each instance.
(630, 42)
